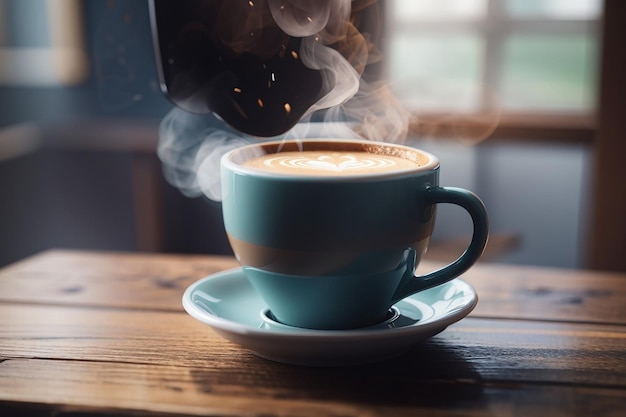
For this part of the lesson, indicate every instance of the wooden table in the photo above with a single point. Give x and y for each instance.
(103, 334)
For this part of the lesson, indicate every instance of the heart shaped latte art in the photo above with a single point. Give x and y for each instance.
(341, 163)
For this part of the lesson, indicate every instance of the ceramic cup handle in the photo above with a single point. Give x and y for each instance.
(475, 207)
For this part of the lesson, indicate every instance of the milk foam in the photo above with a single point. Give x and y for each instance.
(329, 163)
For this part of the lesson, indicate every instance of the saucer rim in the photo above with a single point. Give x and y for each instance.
(227, 325)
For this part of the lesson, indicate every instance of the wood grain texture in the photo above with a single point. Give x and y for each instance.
(496, 349)
(534, 293)
(157, 282)
(123, 388)
(141, 281)
(104, 334)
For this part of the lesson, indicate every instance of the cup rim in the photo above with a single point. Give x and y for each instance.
(228, 163)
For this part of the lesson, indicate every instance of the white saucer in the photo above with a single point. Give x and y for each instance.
(229, 304)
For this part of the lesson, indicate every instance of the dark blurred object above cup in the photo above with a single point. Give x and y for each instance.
(232, 59)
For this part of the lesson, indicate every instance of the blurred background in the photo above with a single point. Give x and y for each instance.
(510, 94)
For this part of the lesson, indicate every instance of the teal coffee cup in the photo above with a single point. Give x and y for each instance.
(329, 231)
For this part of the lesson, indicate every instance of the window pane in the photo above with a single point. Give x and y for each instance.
(437, 71)
(555, 9)
(436, 9)
(549, 72)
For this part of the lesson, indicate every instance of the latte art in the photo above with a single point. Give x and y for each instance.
(329, 163)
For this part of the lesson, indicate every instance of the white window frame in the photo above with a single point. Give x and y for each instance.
(493, 28)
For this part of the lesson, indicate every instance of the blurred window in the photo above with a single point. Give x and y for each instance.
(514, 56)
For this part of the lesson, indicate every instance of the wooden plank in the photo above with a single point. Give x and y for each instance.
(111, 349)
(533, 293)
(473, 349)
(145, 281)
(123, 264)
(149, 281)
(178, 390)
(135, 386)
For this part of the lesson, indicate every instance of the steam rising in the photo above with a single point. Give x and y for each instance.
(190, 146)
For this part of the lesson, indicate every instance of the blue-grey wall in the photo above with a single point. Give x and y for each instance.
(84, 198)
(122, 81)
